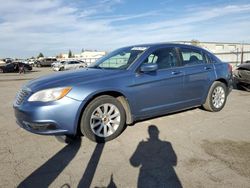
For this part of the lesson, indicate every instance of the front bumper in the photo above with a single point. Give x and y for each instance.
(56, 68)
(51, 118)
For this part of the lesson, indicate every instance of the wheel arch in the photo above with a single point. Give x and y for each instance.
(118, 95)
(224, 81)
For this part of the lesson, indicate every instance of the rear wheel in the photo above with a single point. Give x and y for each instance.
(103, 119)
(1, 70)
(216, 98)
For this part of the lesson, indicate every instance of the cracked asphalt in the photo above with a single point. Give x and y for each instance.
(192, 148)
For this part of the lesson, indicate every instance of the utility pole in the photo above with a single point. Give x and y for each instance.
(242, 54)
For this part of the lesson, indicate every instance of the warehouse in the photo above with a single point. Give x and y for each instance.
(234, 53)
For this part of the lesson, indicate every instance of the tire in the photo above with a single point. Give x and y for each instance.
(1, 70)
(216, 98)
(61, 69)
(100, 125)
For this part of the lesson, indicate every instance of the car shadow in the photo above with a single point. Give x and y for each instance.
(48, 172)
(167, 114)
(156, 160)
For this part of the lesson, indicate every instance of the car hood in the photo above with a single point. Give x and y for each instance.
(70, 78)
(245, 66)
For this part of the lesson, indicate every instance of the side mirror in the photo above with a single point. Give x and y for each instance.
(149, 67)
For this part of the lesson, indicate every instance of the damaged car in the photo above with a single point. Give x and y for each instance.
(242, 76)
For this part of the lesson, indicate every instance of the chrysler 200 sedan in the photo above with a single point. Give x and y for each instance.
(130, 84)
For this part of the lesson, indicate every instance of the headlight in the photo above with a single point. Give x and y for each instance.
(50, 94)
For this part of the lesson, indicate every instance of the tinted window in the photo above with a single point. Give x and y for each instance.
(208, 60)
(164, 58)
(9, 66)
(191, 56)
(213, 58)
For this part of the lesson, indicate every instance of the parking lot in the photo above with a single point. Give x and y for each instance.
(193, 148)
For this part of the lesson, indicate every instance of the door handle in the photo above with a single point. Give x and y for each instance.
(175, 72)
(207, 68)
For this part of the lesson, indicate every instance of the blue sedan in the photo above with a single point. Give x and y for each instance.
(130, 84)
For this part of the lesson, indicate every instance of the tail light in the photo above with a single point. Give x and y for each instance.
(230, 68)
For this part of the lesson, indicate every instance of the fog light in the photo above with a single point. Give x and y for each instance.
(39, 126)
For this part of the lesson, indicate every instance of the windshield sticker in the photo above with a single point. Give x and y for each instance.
(139, 48)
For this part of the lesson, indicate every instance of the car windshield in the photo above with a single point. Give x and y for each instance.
(119, 59)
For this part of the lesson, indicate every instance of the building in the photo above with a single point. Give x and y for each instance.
(86, 56)
(234, 53)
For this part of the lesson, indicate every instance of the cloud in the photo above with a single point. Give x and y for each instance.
(28, 27)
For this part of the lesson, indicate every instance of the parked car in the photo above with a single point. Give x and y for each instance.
(45, 62)
(242, 76)
(14, 67)
(99, 101)
(31, 62)
(68, 65)
(8, 60)
(56, 63)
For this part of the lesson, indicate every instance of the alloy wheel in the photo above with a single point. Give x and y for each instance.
(218, 97)
(105, 120)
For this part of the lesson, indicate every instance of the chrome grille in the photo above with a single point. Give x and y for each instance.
(21, 96)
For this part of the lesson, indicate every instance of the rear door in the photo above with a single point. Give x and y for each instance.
(198, 73)
(162, 90)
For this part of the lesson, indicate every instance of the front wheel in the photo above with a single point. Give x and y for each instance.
(216, 98)
(103, 119)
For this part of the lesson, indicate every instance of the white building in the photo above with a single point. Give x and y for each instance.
(86, 56)
(228, 52)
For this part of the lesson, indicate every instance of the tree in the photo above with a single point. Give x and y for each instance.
(40, 55)
(70, 54)
(59, 56)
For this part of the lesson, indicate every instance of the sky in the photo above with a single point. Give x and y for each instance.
(28, 27)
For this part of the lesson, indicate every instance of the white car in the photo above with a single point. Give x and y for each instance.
(69, 65)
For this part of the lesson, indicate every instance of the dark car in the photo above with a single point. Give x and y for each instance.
(242, 76)
(14, 67)
(130, 84)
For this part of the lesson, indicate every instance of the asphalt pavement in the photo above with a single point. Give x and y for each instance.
(192, 148)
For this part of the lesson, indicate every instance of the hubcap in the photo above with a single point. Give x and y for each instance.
(218, 97)
(105, 120)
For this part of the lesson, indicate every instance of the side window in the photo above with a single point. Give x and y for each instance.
(213, 59)
(164, 58)
(208, 59)
(191, 56)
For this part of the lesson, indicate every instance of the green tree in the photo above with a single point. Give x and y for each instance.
(40, 55)
(70, 54)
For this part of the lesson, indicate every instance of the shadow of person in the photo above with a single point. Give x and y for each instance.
(90, 170)
(48, 172)
(111, 183)
(156, 160)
